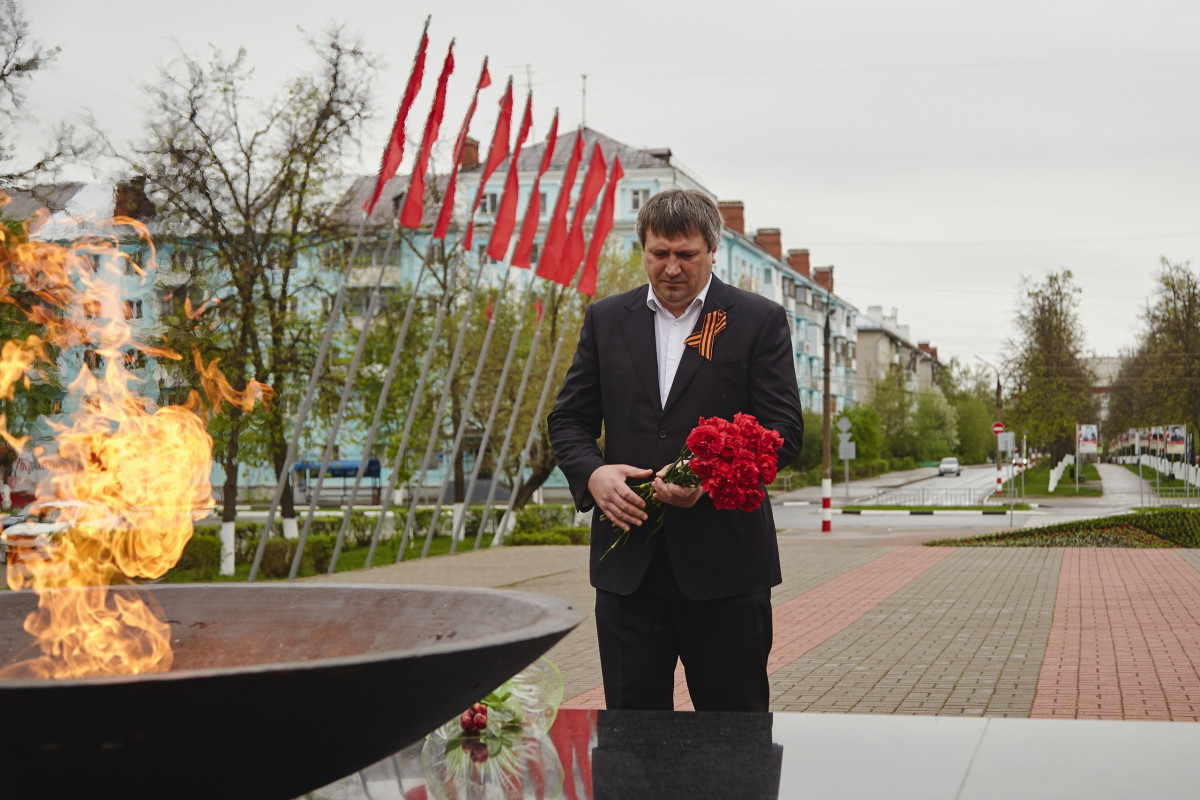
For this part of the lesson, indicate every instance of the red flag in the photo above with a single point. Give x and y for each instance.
(414, 199)
(593, 182)
(447, 210)
(497, 152)
(538, 305)
(506, 215)
(604, 222)
(533, 211)
(552, 247)
(393, 154)
(488, 310)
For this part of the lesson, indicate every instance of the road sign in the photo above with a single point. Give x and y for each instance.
(844, 424)
(846, 451)
(997, 428)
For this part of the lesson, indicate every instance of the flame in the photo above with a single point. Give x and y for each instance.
(135, 475)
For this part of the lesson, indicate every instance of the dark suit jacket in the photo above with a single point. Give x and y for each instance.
(613, 381)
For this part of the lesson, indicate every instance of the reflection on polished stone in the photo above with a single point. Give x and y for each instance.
(666, 754)
(600, 755)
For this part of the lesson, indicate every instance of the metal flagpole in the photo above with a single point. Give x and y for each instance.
(385, 504)
(435, 427)
(462, 423)
(388, 377)
(306, 404)
(513, 340)
(534, 424)
(347, 387)
(512, 421)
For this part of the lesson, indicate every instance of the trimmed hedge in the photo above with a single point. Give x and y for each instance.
(561, 534)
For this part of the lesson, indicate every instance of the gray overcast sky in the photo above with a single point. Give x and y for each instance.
(933, 151)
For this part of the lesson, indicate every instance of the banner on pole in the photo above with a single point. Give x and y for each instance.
(1176, 440)
(1089, 436)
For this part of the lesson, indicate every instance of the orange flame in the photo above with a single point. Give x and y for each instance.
(135, 475)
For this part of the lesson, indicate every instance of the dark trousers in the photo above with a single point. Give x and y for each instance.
(724, 645)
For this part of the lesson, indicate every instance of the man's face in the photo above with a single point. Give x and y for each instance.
(677, 268)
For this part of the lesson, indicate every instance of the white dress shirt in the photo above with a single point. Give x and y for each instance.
(669, 333)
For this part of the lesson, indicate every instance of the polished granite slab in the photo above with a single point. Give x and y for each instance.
(664, 754)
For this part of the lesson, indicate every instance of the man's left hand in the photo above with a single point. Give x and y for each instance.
(674, 495)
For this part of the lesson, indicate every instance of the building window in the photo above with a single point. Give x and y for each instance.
(768, 276)
(638, 198)
(489, 203)
(484, 258)
(542, 203)
(534, 252)
(133, 309)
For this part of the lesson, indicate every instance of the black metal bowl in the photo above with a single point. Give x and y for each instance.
(276, 689)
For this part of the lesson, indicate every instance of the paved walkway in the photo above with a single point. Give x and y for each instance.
(904, 629)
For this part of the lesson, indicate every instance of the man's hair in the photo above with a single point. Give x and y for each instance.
(681, 212)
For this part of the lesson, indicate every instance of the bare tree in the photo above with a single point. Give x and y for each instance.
(20, 58)
(247, 188)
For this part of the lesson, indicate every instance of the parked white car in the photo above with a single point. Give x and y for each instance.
(42, 521)
(949, 466)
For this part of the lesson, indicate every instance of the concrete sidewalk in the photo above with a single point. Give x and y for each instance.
(879, 636)
(1100, 633)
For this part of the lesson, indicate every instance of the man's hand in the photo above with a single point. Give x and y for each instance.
(613, 496)
(674, 495)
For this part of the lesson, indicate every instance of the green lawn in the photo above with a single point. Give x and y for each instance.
(1037, 482)
(1156, 478)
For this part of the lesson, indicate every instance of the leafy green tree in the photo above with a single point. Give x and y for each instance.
(865, 432)
(936, 425)
(1052, 383)
(972, 394)
(895, 406)
(1159, 382)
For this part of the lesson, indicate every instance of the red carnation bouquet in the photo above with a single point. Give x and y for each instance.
(732, 461)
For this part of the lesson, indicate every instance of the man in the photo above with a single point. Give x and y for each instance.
(698, 590)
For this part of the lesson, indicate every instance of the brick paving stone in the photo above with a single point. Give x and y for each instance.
(1126, 636)
(977, 620)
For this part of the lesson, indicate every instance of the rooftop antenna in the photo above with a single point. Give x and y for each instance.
(528, 75)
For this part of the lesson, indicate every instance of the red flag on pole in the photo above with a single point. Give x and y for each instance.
(447, 210)
(556, 236)
(593, 182)
(414, 199)
(604, 223)
(506, 214)
(537, 303)
(533, 210)
(497, 152)
(488, 309)
(393, 154)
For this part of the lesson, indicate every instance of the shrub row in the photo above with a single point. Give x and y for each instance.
(1178, 526)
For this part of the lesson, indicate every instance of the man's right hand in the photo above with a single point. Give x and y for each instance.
(613, 496)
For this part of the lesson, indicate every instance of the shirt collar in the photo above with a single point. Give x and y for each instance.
(698, 302)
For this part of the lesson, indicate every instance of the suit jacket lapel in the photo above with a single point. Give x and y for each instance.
(718, 296)
(638, 329)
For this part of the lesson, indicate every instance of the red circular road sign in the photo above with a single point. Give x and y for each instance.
(997, 427)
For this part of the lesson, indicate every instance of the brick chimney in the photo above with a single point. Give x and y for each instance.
(924, 348)
(768, 239)
(824, 278)
(798, 260)
(734, 214)
(130, 200)
(933, 352)
(470, 154)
